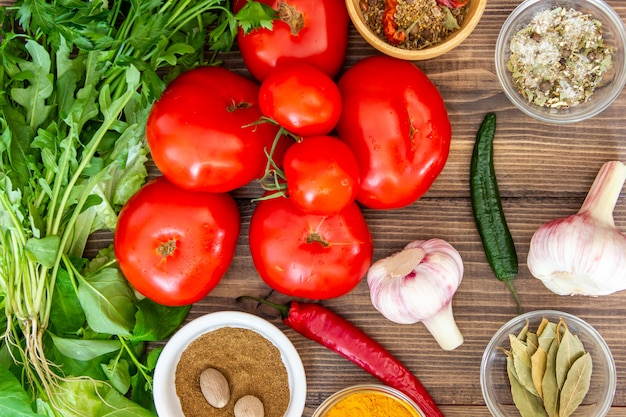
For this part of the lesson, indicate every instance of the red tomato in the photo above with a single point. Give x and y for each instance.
(322, 175)
(174, 245)
(313, 31)
(301, 98)
(396, 122)
(199, 131)
(309, 256)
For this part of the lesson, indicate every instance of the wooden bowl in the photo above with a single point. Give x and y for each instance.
(474, 13)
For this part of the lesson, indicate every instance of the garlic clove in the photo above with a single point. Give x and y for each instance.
(249, 406)
(214, 387)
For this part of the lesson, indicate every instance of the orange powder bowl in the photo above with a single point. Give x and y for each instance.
(368, 401)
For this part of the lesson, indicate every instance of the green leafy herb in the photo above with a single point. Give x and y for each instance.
(549, 371)
(77, 81)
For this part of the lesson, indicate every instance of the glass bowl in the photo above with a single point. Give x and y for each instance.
(613, 81)
(375, 389)
(474, 13)
(166, 399)
(494, 381)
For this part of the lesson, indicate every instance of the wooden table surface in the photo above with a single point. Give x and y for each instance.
(544, 172)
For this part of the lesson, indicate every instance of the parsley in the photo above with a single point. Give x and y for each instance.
(77, 81)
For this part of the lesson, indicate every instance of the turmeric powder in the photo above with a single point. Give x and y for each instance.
(370, 404)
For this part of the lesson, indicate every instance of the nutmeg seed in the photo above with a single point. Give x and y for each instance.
(214, 387)
(249, 406)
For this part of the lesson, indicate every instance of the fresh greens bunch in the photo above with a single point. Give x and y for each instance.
(77, 81)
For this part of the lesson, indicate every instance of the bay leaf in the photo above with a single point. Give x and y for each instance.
(524, 374)
(576, 385)
(519, 348)
(539, 361)
(547, 335)
(532, 343)
(544, 323)
(522, 333)
(527, 404)
(570, 349)
(549, 386)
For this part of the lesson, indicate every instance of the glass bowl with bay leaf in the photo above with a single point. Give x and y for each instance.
(548, 363)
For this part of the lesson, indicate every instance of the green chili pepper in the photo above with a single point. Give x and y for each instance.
(487, 208)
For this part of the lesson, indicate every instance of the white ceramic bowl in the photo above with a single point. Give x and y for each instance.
(166, 400)
(494, 381)
(613, 82)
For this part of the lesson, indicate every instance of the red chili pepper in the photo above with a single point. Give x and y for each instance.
(390, 27)
(339, 335)
(453, 4)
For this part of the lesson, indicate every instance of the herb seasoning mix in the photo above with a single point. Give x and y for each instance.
(422, 23)
(559, 59)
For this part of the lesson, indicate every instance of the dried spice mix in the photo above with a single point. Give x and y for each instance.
(251, 364)
(413, 24)
(559, 58)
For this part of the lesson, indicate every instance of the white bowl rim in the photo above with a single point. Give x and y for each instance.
(602, 345)
(521, 103)
(165, 398)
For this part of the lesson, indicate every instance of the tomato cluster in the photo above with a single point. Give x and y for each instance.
(378, 137)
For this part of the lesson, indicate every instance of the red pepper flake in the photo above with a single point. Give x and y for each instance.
(452, 4)
(390, 27)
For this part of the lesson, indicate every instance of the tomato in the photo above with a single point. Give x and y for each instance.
(396, 123)
(200, 133)
(306, 255)
(322, 174)
(174, 245)
(301, 98)
(313, 31)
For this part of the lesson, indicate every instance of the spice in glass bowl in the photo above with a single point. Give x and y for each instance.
(559, 58)
(413, 24)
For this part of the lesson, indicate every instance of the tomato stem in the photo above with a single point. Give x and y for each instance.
(166, 249)
(317, 238)
(274, 178)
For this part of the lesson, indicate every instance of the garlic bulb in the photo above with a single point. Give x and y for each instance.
(584, 253)
(417, 285)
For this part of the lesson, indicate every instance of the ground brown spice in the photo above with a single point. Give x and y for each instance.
(251, 364)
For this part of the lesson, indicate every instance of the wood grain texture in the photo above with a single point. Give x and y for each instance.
(544, 172)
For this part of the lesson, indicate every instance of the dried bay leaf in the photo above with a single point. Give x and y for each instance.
(524, 374)
(549, 371)
(532, 343)
(544, 323)
(539, 361)
(519, 348)
(549, 387)
(547, 336)
(570, 349)
(576, 385)
(528, 405)
(522, 334)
